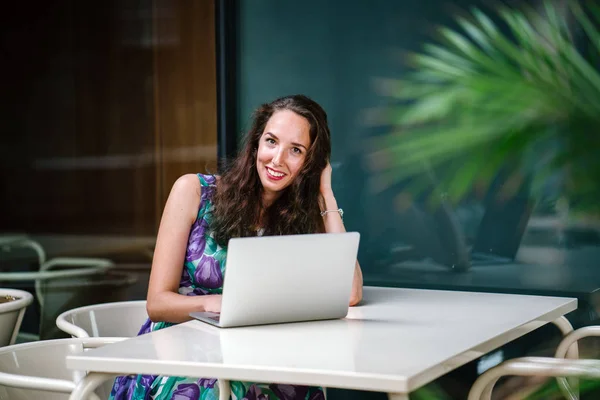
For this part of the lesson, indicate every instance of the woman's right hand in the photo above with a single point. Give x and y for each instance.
(212, 303)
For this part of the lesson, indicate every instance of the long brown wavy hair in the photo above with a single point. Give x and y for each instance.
(237, 202)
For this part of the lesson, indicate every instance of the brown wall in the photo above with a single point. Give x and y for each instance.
(108, 105)
(185, 91)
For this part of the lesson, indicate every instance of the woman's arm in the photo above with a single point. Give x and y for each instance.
(164, 302)
(334, 224)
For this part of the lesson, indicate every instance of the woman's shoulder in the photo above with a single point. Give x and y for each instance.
(200, 187)
(186, 184)
(193, 181)
(185, 194)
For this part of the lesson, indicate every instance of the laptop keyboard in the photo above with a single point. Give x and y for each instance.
(215, 318)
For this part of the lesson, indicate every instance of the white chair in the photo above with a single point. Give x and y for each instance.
(8, 241)
(557, 366)
(11, 314)
(88, 265)
(49, 273)
(45, 277)
(38, 370)
(120, 319)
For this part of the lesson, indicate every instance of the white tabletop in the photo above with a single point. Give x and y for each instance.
(396, 341)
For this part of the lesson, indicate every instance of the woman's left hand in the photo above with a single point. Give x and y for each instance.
(326, 180)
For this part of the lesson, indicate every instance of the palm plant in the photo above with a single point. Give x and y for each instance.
(520, 91)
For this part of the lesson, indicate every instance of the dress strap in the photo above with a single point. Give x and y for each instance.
(207, 180)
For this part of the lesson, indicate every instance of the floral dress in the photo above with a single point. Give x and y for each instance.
(203, 271)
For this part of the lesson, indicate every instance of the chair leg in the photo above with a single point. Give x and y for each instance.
(224, 389)
(15, 333)
(565, 327)
(568, 387)
(85, 387)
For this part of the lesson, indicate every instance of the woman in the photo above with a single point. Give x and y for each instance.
(279, 184)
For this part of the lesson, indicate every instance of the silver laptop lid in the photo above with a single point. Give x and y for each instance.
(275, 279)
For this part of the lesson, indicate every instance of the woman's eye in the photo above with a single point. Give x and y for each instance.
(270, 141)
(297, 150)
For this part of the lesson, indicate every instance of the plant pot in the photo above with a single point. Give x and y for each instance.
(11, 314)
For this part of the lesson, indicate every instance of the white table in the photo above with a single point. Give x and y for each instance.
(396, 341)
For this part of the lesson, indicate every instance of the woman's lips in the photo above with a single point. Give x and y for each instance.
(274, 175)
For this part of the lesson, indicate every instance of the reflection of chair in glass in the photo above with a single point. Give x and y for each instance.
(49, 276)
(557, 366)
(48, 271)
(121, 319)
(437, 233)
(64, 283)
(11, 314)
(11, 241)
(67, 294)
(37, 370)
(502, 227)
(47, 268)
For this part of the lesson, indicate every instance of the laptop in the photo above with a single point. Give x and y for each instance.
(289, 278)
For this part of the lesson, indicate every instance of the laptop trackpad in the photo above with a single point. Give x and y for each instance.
(206, 315)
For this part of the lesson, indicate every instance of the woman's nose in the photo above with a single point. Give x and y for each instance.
(278, 158)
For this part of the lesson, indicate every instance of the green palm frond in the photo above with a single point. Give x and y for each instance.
(492, 91)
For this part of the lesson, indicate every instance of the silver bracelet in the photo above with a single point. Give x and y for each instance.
(339, 211)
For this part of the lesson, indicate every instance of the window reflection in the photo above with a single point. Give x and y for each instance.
(466, 205)
(108, 106)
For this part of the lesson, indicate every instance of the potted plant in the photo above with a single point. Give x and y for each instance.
(518, 90)
(12, 308)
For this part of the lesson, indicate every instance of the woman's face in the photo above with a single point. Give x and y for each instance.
(282, 151)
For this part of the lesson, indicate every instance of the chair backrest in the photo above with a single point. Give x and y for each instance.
(120, 319)
(558, 366)
(62, 295)
(50, 283)
(37, 370)
(11, 314)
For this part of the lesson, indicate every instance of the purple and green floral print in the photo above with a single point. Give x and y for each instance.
(203, 272)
